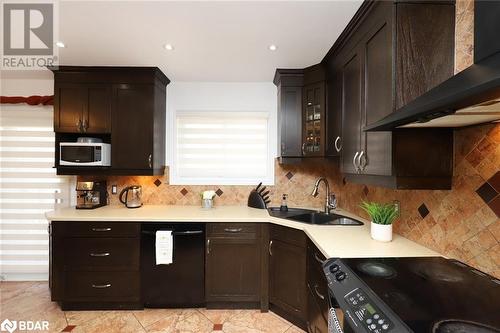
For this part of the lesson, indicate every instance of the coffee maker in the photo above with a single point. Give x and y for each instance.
(91, 195)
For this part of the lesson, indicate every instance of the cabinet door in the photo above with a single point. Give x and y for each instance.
(333, 143)
(233, 270)
(97, 116)
(376, 148)
(290, 121)
(316, 323)
(352, 80)
(313, 142)
(69, 105)
(287, 278)
(132, 138)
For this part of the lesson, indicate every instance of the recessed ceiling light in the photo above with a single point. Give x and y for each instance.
(168, 47)
(273, 47)
(60, 44)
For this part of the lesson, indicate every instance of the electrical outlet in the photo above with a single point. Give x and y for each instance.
(114, 189)
(398, 207)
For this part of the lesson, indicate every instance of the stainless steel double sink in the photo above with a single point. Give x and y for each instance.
(313, 217)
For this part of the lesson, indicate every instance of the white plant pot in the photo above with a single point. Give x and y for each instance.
(381, 232)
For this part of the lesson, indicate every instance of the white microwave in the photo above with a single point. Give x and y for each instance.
(84, 154)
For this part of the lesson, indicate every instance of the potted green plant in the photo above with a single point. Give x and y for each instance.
(382, 216)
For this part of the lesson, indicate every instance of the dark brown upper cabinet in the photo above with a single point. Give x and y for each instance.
(290, 84)
(124, 106)
(390, 54)
(82, 108)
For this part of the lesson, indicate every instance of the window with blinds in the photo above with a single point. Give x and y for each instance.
(229, 148)
(29, 187)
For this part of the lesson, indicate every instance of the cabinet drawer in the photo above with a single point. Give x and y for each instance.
(103, 286)
(288, 235)
(233, 230)
(98, 229)
(111, 254)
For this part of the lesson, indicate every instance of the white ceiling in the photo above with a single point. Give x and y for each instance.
(213, 41)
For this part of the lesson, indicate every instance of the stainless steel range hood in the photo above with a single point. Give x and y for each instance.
(472, 96)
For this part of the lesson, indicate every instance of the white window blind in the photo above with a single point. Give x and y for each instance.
(29, 187)
(222, 148)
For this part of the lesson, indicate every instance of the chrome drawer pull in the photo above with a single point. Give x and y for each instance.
(270, 247)
(317, 292)
(101, 229)
(101, 286)
(105, 254)
(233, 229)
(318, 259)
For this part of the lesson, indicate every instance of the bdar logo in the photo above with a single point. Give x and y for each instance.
(8, 325)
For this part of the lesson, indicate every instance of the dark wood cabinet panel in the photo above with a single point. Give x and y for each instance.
(333, 111)
(289, 83)
(233, 270)
(424, 48)
(376, 147)
(317, 305)
(97, 117)
(233, 263)
(69, 106)
(351, 110)
(95, 265)
(287, 273)
(287, 278)
(132, 127)
(388, 56)
(124, 106)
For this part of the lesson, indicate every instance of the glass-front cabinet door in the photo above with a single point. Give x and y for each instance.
(313, 120)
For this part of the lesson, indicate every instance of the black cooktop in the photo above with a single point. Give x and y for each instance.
(433, 294)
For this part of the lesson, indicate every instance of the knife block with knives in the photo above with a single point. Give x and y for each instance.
(259, 197)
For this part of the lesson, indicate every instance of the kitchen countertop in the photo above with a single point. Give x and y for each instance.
(332, 241)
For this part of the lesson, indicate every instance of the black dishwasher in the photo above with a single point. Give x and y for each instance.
(181, 283)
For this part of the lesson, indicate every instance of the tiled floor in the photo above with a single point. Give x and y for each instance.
(31, 301)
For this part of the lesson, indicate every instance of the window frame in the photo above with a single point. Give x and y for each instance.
(175, 179)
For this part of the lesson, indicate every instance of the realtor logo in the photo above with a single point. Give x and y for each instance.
(8, 325)
(28, 28)
(28, 34)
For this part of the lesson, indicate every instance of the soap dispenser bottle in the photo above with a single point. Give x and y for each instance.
(284, 206)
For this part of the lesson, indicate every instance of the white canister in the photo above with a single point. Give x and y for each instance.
(381, 232)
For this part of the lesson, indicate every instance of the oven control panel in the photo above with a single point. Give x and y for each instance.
(362, 308)
(367, 312)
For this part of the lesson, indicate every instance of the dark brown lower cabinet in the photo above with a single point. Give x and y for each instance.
(95, 265)
(287, 274)
(317, 305)
(233, 265)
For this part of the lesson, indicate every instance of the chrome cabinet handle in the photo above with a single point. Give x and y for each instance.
(354, 162)
(317, 292)
(101, 286)
(270, 247)
(304, 148)
(79, 125)
(360, 167)
(101, 229)
(233, 229)
(365, 161)
(150, 160)
(318, 258)
(104, 254)
(282, 147)
(336, 144)
(208, 246)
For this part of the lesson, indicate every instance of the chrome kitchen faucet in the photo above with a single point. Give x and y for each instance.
(331, 200)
